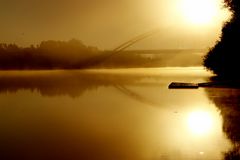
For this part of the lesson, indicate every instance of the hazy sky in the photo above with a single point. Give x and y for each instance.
(106, 23)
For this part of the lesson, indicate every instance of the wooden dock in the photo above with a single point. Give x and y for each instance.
(180, 85)
(219, 84)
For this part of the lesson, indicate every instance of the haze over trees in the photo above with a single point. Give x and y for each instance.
(46, 55)
(223, 58)
(74, 54)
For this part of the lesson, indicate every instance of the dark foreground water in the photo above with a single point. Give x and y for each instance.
(116, 115)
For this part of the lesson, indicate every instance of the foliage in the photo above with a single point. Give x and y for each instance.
(74, 54)
(223, 58)
(47, 55)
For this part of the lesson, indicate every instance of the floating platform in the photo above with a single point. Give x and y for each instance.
(179, 85)
(215, 84)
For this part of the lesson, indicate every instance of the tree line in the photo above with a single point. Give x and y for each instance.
(223, 58)
(73, 54)
(47, 55)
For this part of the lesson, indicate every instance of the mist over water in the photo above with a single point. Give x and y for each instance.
(107, 114)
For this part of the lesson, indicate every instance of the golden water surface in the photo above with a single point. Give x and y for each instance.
(121, 114)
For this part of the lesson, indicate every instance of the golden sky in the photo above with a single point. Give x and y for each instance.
(108, 23)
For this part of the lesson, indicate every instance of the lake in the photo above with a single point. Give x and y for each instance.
(116, 114)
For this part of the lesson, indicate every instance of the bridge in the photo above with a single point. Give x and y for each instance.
(100, 59)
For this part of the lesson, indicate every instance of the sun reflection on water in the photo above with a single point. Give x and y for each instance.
(200, 122)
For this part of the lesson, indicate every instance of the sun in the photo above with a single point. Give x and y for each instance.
(200, 12)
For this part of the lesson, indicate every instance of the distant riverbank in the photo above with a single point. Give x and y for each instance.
(74, 54)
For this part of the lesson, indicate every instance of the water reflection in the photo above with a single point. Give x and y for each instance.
(106, 115)
(200, 122)
(227, 101)
(57, 83)
(77, 82)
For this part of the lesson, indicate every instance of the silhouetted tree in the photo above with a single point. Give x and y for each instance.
(223, 58)
(74, 54)
(47, 55)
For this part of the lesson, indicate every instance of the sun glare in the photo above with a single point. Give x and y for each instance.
(200, 12)
(200, 122)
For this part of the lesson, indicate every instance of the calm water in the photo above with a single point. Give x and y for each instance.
(119, 114)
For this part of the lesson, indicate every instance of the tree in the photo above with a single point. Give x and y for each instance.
(223, 58)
